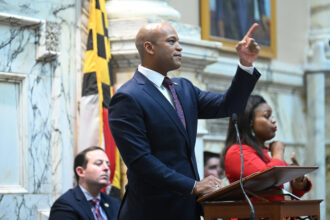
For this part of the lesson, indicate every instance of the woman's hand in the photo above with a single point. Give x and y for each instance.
(277, 150)
(294, 161)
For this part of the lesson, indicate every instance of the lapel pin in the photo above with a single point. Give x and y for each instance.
(106, 205)
(175, 83)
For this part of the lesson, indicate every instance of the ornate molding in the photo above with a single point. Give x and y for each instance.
(275, 76)
(43, 214)
(47, 34)
(22, 185)
(19, 21)
(318, 62)
(48, 41)
(316, 36)
(141, 9)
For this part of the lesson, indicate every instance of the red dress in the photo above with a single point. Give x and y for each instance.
(252, 163)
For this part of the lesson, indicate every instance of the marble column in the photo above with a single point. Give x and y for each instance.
(315, 150)
(317, 66)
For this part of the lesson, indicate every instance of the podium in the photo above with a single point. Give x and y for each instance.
(229, 201)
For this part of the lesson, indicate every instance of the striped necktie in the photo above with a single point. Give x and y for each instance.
(169, 85)
(96, 209)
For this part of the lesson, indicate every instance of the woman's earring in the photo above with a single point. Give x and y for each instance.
(252, 132)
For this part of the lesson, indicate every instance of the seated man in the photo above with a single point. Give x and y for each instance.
(212, 164)
(86, 201)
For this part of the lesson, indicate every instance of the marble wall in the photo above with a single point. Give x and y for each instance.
(38, 72)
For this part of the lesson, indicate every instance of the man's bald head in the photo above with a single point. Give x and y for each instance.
(149, 32)
(159, 47)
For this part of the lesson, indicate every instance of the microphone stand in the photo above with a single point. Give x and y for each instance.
(234, 118)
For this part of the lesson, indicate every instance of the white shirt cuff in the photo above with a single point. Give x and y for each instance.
(248, 69)
(192, 191)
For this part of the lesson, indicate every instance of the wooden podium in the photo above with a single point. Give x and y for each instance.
(229, 202)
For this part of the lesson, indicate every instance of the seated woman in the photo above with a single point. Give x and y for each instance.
(257, 125)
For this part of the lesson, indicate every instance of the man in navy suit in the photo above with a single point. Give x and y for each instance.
(155, 127)
(86, 201)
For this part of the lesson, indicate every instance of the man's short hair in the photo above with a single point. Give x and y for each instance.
(81, 161)
(208, 155)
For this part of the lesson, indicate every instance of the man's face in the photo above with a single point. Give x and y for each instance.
(97, 171)
(212, 167)
(167, 49)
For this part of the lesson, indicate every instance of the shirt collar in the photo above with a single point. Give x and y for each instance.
(88, 195)
(155, 77)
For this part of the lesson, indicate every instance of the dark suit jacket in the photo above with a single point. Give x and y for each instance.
(74, 205)
(158, 150)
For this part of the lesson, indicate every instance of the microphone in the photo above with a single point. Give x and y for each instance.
(234, 118)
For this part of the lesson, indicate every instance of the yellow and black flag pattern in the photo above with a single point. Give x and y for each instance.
(97, 90)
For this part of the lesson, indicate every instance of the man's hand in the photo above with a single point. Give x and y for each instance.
(207, 185)
(247, 49)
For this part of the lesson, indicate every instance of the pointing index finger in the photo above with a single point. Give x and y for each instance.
(251, 30)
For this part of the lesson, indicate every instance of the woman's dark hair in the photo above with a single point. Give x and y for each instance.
(244, 123)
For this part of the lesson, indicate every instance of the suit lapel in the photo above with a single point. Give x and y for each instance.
(156, 95)
(184, 105)
(106, 206)
(80, 197)
(188, 117)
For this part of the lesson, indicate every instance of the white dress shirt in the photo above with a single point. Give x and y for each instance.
(90, 197)
(248, 69)
(156, 79)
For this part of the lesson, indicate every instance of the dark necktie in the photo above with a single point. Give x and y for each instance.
(169, 85)
(96, 208)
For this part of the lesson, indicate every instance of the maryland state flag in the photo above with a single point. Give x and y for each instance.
(97, 90)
